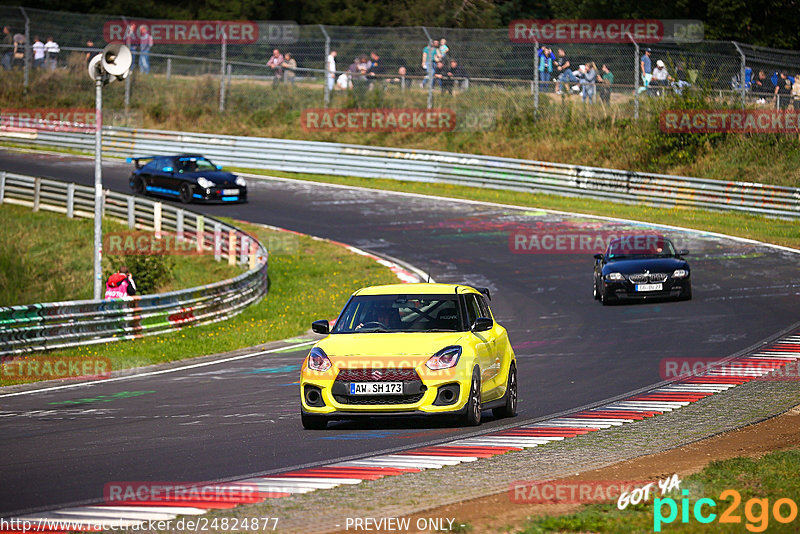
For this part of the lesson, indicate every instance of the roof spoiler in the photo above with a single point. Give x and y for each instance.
(136, 160)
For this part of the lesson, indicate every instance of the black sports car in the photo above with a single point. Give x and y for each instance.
(188, 177)
(641, 267)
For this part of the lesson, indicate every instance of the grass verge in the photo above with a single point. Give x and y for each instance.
(46, 257)
(760, 484)
(777, 231)
(309, 279)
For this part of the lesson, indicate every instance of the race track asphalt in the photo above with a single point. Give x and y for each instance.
(234, 419)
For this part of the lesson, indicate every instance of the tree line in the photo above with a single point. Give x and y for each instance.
(760, 22)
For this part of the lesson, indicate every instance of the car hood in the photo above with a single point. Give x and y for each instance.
(654, 265)
(386, 349)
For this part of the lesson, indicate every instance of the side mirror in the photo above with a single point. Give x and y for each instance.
(321, 326)
(683, 252)
(482, 324)
(598, 256)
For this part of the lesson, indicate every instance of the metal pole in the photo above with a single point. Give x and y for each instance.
(326, 98)
(222, 73)
(98, 188)
(635, 77)
(27, 46)
(169, 68)
(536, 75)
(742, 86)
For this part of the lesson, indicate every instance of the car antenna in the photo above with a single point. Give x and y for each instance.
(429, 277)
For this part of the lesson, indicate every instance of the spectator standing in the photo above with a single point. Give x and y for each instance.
(589, 82)
(564, 71)
(546, 60)
(761, 84)
(330, 70)
(428, 56)
(18, 57)
(646, 67)
(145, 44)
(783, 91)
(796, 92)
(454, 74)
(51, 52)
(131, 40)
(606, 81)
(376, 68)
(8, 42)
(275, 62)
(89, 53)
(289, 66)
(38, 53)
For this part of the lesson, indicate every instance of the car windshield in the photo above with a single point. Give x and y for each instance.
(640, 246)
(195, 164)
(400, 313)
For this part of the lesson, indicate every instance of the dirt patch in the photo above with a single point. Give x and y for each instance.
(498, 513)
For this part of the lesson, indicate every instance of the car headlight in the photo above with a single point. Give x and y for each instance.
(615, 277)
(241, 181)
(680, 273)
(205, 183)
(444, 359)
(318, 360)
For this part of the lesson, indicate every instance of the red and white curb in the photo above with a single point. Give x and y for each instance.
(773, 357)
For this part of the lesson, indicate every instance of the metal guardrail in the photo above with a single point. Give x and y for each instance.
(431, 166)
(68, 324)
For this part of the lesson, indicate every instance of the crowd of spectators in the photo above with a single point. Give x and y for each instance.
(586, 79)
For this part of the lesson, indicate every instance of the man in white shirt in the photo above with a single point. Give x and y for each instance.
(38, 53)
(330, 70)
(51, 51)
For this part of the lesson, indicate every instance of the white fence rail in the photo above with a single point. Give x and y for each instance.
(68, 324)
(430, 166)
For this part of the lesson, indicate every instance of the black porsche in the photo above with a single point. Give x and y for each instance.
(187, 177)
(641, 267)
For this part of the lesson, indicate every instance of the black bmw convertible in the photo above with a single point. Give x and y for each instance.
(640, 267)
(187, 177)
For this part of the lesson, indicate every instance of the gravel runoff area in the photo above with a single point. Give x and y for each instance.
(416, 493)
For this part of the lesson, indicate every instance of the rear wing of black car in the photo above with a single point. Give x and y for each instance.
(137, 160)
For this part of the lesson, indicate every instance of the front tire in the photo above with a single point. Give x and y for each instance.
(472, 417)
(595, 293)
(186, 193)
(313, 422)
(604, 297)
(510, 409)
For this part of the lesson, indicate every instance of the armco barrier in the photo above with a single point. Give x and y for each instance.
(68, 324)
(430, 166)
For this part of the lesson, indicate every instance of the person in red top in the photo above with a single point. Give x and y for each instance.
(120, 285)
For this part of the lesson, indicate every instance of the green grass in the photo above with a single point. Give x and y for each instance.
(46, 257)
(563, 130)
(309, 279)
(771, 477)
(777, 231)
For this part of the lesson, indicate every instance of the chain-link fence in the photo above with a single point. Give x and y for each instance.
(494, 71)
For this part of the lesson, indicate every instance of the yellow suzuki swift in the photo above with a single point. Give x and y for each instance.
(410, 349)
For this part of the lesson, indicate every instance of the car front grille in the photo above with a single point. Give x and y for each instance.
(377, 375)
(644, 278)
(375, 400)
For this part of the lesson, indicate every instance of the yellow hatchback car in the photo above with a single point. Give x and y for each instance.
(410, 349)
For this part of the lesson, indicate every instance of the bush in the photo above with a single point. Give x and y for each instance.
(149, 271)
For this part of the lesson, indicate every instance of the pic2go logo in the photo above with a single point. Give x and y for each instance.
(756, 511)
